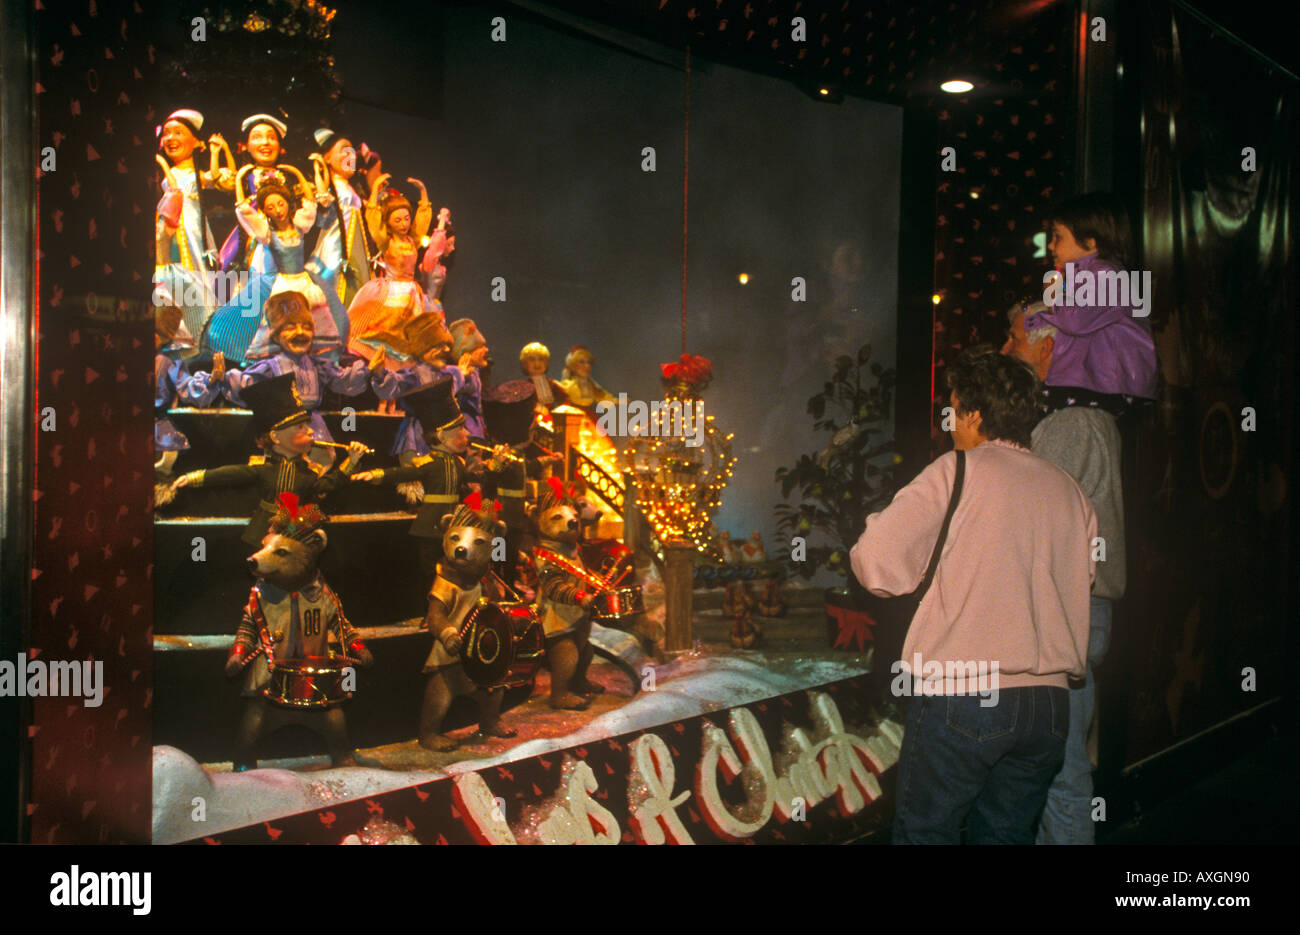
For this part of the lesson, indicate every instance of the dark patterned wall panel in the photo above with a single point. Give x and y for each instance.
(92, 593)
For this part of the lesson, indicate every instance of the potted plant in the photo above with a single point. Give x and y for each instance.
(839, 486)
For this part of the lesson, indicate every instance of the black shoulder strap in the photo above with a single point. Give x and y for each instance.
(943, 530)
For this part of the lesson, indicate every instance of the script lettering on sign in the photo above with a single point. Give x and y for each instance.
(838, 764)
(753, 764)
(650, 798)
(573, 816)
(478, 809)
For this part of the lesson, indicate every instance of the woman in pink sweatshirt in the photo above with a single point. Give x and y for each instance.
(1004, 623)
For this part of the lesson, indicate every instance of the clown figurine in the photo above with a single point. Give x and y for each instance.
(292, 329)
(341, 252)
(284, 433)
(186, 255)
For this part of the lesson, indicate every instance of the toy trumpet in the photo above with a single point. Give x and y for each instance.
(508, 456)
(322, 444)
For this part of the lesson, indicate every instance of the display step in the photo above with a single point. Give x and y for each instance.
(225, 436)
(370, 561)
(196, 708)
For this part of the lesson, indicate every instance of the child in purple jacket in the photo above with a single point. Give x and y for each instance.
(1103, 344)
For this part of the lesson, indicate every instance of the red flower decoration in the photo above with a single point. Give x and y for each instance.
(690, 369)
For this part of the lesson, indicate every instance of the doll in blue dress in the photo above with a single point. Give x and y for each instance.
(238, 329)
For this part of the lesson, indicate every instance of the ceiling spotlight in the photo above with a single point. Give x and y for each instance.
(957, 86)
(974, 194)
(744, 278)
(828, 91)
(936, 298)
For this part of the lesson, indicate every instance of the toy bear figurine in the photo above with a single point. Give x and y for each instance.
(564, 599)
(463, 571)
(772, 603)
(737, 604)
(290, 619)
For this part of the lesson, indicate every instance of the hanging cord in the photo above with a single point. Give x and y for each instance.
(686, 184)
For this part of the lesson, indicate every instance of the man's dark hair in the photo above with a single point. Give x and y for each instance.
(1002, 389)
(1099, 216)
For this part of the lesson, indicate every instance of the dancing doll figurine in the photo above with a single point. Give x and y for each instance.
(284, 432)
(341, 255)
(186, 255)
(431, 272)
(265, 145)
(387, 302)
(238, 330)
(583, 391)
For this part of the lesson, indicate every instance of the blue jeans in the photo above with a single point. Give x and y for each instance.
(1067, 819)
(989, 767)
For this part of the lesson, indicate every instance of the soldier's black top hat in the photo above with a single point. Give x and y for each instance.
(435, 406)
(508, 411)
(275, 403)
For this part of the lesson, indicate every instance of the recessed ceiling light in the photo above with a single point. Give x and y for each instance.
(957, 87)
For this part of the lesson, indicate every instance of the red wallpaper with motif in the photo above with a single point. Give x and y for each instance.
(92, 593)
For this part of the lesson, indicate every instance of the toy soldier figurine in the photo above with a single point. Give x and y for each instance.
(442, 471)
(509, 412)
(283, 430)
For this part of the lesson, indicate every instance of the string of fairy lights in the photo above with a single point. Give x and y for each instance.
(679, 487)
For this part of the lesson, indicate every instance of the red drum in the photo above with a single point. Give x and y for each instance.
(620, 602)
(501, 644)
(313, 682)
(599, 555)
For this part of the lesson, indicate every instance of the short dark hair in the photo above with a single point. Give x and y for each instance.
(1002, 389)
(1099, 216)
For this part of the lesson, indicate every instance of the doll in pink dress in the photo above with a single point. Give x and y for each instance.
(385, 305)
